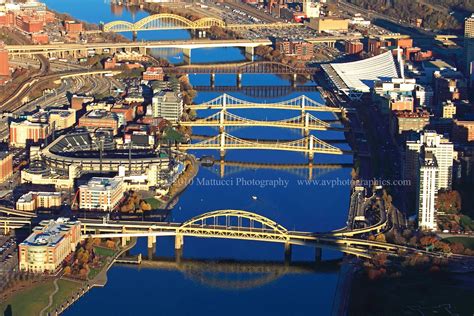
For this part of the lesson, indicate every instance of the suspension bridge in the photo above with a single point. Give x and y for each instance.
(309, 145)
(228, 102)
(223, 119)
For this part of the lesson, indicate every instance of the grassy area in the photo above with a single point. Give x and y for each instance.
(30, 301)
(104, 252)
(66, 289)
(154, 203)
(466, 222)
(465, 241)
(93, 272)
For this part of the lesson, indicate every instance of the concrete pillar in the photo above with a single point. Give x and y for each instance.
(178, 255)
(222, 121)
(134, 36)
(124, 241)
(151, 241)
(187, 55)
(239, 80)
(142, 50)
(250, 53)
(293, 80)
(318, 254)
(213, 79)
(306, 124)
(287, 253)
(178, 241)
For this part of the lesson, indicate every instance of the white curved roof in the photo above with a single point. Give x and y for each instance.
(360, 75)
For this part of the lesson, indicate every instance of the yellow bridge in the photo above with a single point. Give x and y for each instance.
(166, 21)
(309, 145)
(301, 103)
(231, 224)
(222, 119)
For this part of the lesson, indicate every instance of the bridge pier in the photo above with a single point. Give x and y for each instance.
(288, 253)
(187, 56)
(142, 50)
(178, 241)
(134, 36)
(310, 170)
(222, 168)
(239, 80)
(294, 77)
(318, 254)
(250, 53)
(213, 80)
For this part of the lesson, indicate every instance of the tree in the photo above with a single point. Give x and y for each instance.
(427, 241)
(380, 238)
(67, 270)
(457, 248)
(449, 201)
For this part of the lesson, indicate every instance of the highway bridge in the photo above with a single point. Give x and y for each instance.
(167, 21)
(227, 102)
(223, 119)
(84, 49)
(232, 224)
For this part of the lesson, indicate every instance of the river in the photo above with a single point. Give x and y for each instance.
(287, 199)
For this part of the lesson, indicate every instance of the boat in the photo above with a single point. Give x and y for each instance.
(254, 197)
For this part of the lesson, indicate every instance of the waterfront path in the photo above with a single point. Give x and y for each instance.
(50, 298)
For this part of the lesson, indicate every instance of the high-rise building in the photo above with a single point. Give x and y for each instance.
(168, 105)
(101, 193)
(427, 191)
(49, 244)
(441, 148)
(469, 47)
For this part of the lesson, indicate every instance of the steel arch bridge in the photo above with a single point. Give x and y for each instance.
(257, 67)
(162, 21)
(224, 119)
(301, 103)
(245, 225)
(309, 145)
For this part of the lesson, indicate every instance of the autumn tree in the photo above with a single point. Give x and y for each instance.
(449, 201)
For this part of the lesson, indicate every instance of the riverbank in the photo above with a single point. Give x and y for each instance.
(58, 293)
(185, 179)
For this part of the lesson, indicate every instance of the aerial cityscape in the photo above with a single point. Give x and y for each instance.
(236, 157)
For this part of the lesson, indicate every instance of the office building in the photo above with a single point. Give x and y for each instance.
(469, 47)
(427, 192)
(101, 194)
(441, 148)
(25, 132)
(32, 201)
(168, 105)
(49, 244)
(98, 119)
(61, 119)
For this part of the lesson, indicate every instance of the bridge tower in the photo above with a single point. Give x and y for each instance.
(222, 145)
(311, 148)
(222, 121)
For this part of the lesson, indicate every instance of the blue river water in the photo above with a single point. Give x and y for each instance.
(287, 199)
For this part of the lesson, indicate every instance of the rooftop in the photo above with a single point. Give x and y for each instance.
(49, 233)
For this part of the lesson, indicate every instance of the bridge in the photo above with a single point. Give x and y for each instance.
(259, 92)
(167, 21)
(223, 119)
(231, 224)
(228, 102)
(85, 49)
(309, 145)
(10, 211)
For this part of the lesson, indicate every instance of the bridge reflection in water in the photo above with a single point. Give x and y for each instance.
(236, 274)
(303, 171)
